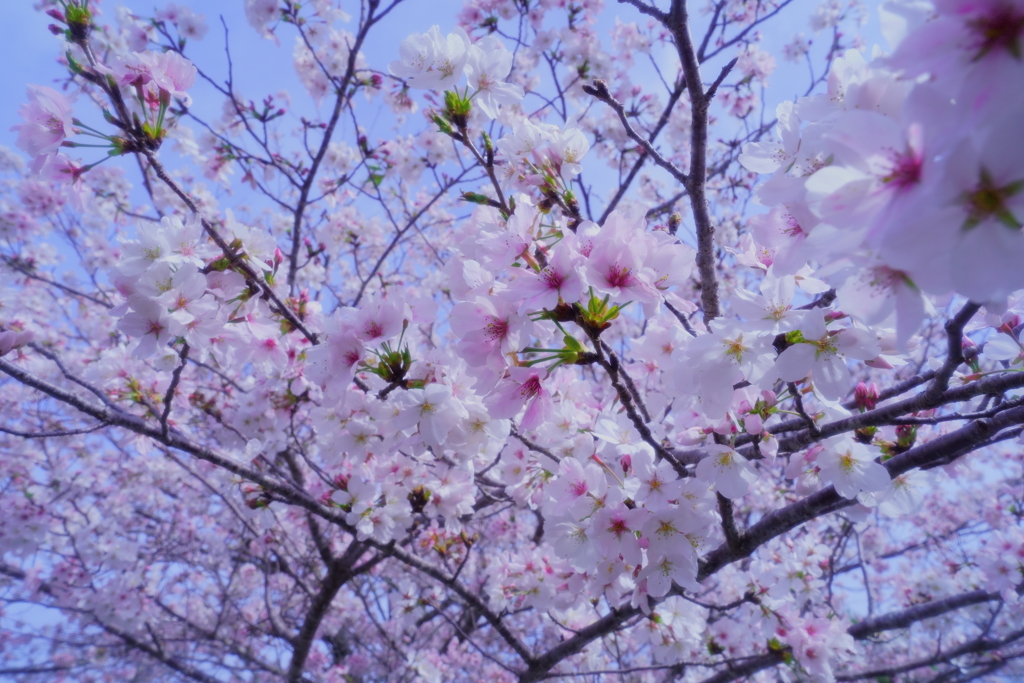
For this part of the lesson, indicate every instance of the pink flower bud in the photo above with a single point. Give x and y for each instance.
(55, 13)
(866, 396)
(626, 462)
(1010, 321)
(878, 362)
(752, 423)
(278, 256)
(55, 30)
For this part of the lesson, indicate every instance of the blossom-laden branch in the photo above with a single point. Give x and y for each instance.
(485, 413)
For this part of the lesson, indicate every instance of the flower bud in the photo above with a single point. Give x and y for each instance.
(752, 423)
(1010, 321)
(674, 221)
(906, 435)
(834, 315)
(866, 396)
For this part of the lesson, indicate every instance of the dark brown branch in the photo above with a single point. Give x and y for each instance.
(677, 22)
(173, 387)
(599, 90)
(338, 574)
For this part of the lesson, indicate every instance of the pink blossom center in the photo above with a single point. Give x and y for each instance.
(793, 228)
(619, 276)
(496, 329)
(578, 488)
(905, 171)
(530, 388)
(552, 279)
(1002, 29)
(618, 527)
(884, 278)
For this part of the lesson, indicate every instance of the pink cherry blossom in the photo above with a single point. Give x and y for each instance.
(523, 387)
(729, 472)
(48, 121)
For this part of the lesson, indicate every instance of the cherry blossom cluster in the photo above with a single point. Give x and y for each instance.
(411, 387)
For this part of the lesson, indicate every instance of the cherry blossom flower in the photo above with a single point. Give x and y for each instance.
(568, 147)
(62, 170)
(709, 366)
(659, 483)
(48, 121)
(678, 567)
(523, 387)
(489, 329)
(336, 360)
(851, 467)
(151, 323)
(11, 339)
(768, 157)
(576, 480)
(875, 291)
(262, 12)
(614, 267)
(730, 473)
(615, 530)
(434, 410)
(822, 354)
(174, 74)
(379, 319)
(255, 244)
(488, 65)
(905, 494)
(772, 310)
(560, 280)
(430, 60)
